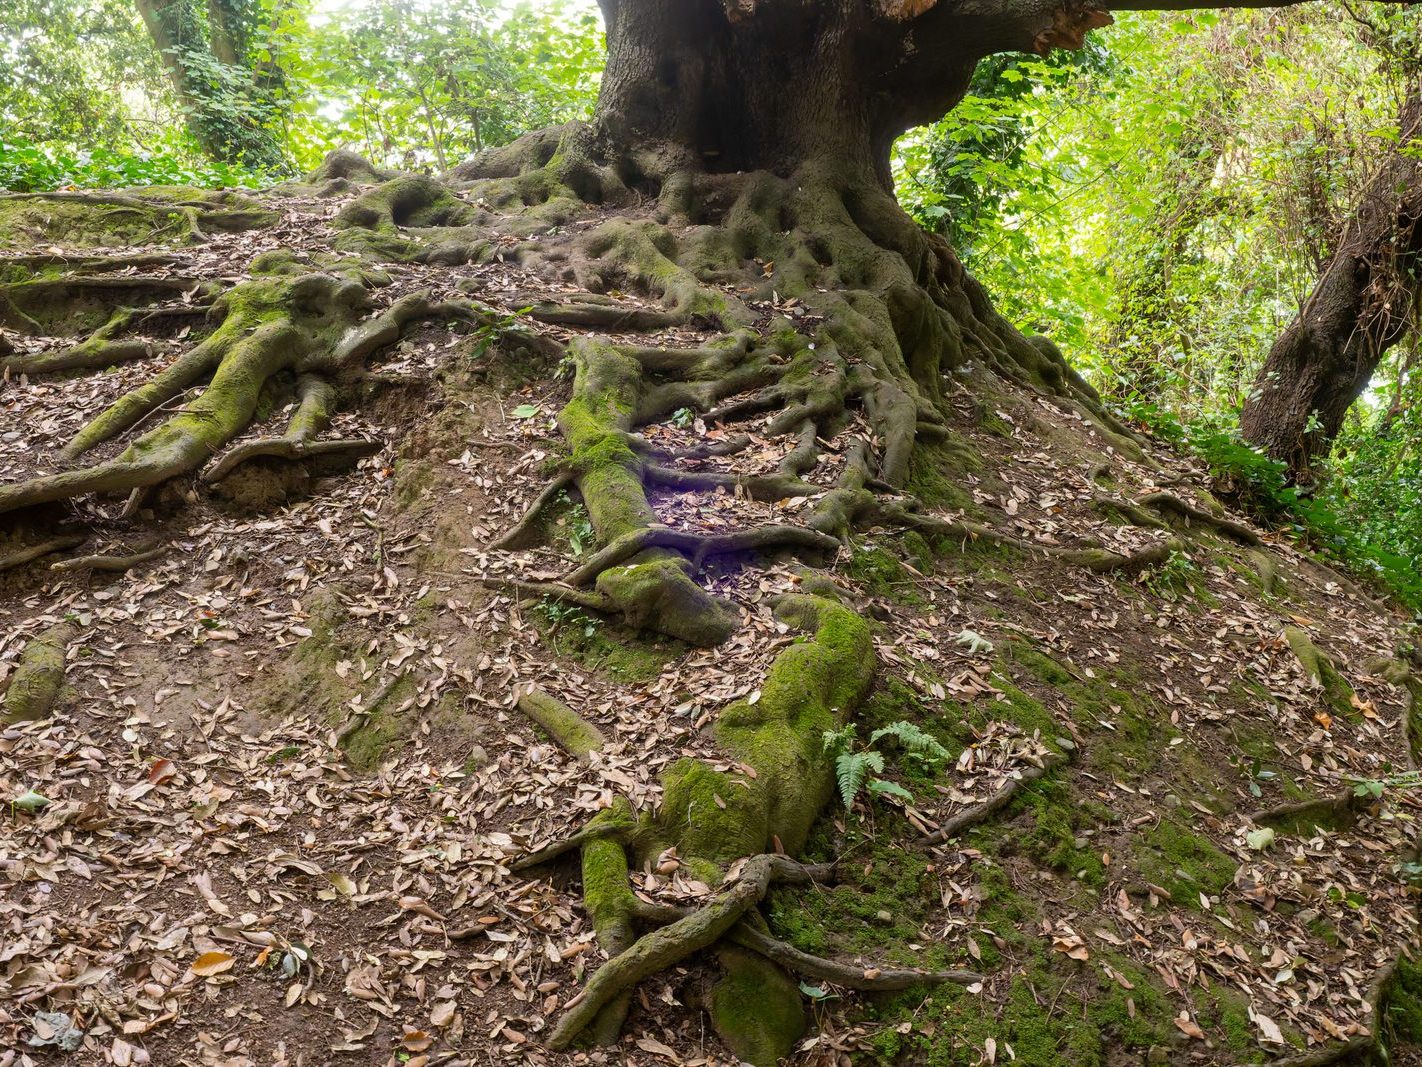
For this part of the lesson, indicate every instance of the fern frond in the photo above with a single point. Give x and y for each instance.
(882, 787)
(913, 740)
(851, 769)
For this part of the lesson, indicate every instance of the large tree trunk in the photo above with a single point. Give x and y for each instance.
(224, 107)
(1364, 303)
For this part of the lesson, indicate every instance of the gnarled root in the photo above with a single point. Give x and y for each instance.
(310, 326)
(38, 679)
(711, 818)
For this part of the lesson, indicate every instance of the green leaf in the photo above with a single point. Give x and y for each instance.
(29, 800)
(1261, 839)
(882, 787)
(526, 411)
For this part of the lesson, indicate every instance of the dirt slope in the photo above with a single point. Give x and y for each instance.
(286, 778)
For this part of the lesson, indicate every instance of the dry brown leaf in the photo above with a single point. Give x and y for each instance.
(211, 963)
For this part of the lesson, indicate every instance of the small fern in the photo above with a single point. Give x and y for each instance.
(858, 770)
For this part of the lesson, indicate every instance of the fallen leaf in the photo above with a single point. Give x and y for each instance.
(210, 963)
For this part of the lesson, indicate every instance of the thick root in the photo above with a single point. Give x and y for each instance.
(310, 326)
(671, 944)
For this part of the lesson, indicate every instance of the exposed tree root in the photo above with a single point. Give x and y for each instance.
(700, 547)
(1338, 812)
(524, 532)
(662, 948)
(569, 730)
(869, 978)
(1172, 505)
(38, 551)
(980, 813)
(110, 564)
(38, 679)
(311, 326)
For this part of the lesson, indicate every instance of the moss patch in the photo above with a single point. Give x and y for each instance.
(1183, 863)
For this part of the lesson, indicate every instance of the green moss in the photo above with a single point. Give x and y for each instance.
(879, 907)
(883, 575)
(1402, 1014)
(383, 730)
(757, 1009)
(722, 815)
(927, 478)
(610, 651)
(1320, 667)
(951, 1028)
(1183, 863)
(1056, 822)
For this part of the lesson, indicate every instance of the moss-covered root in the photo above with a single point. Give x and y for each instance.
(569, 730)
(653, 590)
(1319, 667)
(814, 686)
(310, 325)
(671, 944)
(38, 679)
(756, 1007)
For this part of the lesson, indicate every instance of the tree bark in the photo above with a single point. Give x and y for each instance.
(1365, 302)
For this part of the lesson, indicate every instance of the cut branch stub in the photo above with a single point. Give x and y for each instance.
(38, 679)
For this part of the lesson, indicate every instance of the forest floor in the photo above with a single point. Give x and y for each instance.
(287, 778)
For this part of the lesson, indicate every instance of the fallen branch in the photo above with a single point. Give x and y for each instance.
(110, 564)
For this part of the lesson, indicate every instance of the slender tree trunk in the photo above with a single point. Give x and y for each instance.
(217, 93)
(1365, 302)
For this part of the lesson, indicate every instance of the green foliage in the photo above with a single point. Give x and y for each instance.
(859, 770)
(1373, 532)
(85, 99)
(559, 614)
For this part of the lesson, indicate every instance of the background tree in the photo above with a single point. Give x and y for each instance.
(227, 100)
(1365, 301)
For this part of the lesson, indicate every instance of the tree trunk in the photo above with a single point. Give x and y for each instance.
(1364, 303)
(225, 110)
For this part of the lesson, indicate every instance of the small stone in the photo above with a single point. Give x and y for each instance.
(478, 757)
(885, 916)
(1080, 842)
(1157, 1056)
